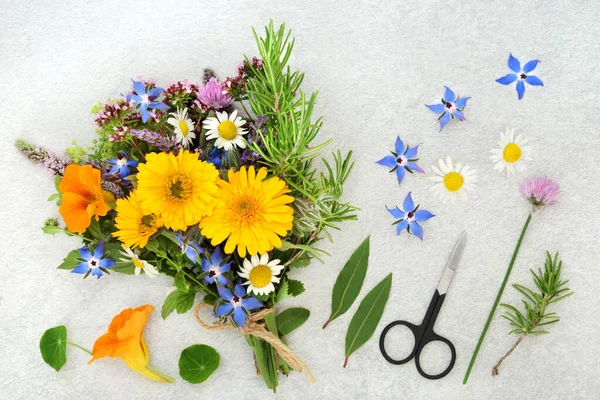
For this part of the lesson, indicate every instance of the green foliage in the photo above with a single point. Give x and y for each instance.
(53, 346)
(198, 362)
(291, 319)
(178, 301)
(550, 289)
(76, 153)
(71, 260)
(367, 316)
(286, 145)
(289, 288)
(349, 281)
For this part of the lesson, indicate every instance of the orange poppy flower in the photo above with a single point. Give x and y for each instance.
(125, 339)
(82, 197)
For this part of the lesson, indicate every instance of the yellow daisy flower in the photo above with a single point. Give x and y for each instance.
(134, 227)
(180, 188)
(251, 213)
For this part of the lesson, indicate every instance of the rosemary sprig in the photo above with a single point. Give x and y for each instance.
(550, 289)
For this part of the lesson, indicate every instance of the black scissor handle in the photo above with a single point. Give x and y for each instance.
(427, 339)
(415, 329)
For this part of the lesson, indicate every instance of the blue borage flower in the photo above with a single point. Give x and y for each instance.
(214, 267)
(121, 164)
(409, 217)
(146, 100)
(93, 263)
(403, 159)
(236, 304)
(215, 157)
(189, 247)
(520, 75)
(451, 107)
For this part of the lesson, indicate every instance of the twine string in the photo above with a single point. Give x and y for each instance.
(255, 326)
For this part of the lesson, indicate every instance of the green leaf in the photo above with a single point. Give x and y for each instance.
(178, 301)
(95, 230)
(52, 229)
(53, 346)
(198, 362)
(349, 281)
(291, 319)
(367, 316)
(289, 288)
(180, 282)
(210, 299)
(71, 260)
(124, 267)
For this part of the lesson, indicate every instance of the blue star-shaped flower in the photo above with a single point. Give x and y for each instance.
(403, 159)
(409, 219)
(214, 268)
(451, 107)
(521, 75)
(146, 100)
(189, 247)
(93, 263)
(122, 164)
(236, 302)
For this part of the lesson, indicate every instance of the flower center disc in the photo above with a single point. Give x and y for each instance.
(227, 130)
(183, 126)
(179, 187)
(260, 276)
(453, 181)
(137, 263)
(512, 153)
(247, 209)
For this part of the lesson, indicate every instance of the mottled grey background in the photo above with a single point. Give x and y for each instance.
(375, 64)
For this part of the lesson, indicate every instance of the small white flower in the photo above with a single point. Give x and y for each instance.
(260, 274)
(149, 269)
(453, 181)
(184, 127)
(512, 153)
(226, 130)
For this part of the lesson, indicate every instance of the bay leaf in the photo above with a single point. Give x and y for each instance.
(367, 316)
(349, 281)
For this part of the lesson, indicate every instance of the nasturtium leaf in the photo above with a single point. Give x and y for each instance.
(198, 362)
(71, 260)
(291, 319)
(53, 346)
(349, 281)
(178, 301)
(367, 316)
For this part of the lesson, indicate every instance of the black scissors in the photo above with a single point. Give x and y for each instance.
(424, 333)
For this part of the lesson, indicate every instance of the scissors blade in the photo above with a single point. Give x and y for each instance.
(452, 264)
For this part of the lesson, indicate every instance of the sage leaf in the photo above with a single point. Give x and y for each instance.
(349, 281)
(367, 316)
(53, 346)
(198, 362)
(291, 319)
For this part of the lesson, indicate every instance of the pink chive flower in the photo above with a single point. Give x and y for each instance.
(540, 191)
(214, 95)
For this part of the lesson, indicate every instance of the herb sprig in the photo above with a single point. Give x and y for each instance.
(550, 289)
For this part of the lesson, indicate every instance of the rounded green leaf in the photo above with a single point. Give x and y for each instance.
(53, 346)
(198, 362)
(291, 319)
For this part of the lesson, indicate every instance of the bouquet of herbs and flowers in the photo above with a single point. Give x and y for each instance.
(212, 184)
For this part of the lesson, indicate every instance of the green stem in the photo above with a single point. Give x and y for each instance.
(498, 296)
(160, 373)
(81, 348)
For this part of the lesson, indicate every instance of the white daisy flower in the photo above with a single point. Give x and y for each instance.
(260, 274)
(149, 269)
(227, 130)
(512, 154)
(184, 127)
(453, 181)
